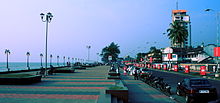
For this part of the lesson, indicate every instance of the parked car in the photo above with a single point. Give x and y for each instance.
(196, 89)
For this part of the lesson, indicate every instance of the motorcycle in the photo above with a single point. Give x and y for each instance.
(164, 87)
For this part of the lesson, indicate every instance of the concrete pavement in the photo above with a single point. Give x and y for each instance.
(140, 92)
(83, 86)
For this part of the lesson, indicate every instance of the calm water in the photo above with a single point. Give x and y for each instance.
(23, 66)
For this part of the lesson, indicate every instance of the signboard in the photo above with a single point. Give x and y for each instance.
(151, 59)
(186, 18)
(169, 56)
(217, 51)
(109, 58)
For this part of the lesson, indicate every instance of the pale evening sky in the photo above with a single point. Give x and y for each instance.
(135, 25)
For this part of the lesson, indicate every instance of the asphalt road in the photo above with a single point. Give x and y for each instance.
(173, 78)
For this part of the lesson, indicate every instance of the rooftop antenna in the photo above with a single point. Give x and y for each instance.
(177, 5)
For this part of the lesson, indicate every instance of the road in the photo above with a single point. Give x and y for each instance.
(173, 78)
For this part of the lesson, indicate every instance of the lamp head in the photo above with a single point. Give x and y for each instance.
(42, 15)
(50, 16)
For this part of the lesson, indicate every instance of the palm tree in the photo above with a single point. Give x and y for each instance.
(58, 60)
(7, 52)
(51, 56)
(41, 59)
(177, 33)
(111, 50)
(28, 54)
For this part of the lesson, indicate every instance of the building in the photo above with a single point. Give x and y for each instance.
(200, 54)
(181, 16)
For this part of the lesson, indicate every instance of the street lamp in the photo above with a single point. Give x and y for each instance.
(68, 59)
(51, 56)
(41, 59)
(68, 63)
(46, 18)
(64, 60)
(58, 60)
(72, 61)
(7, 52)
(28, 54)
(88, 47)
(97, 57)
(217, 33)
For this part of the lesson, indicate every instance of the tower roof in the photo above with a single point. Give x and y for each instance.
(179, 11)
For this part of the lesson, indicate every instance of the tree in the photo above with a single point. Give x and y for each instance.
(111, 50)
(141, 56)
(155, 53)
(177, 33)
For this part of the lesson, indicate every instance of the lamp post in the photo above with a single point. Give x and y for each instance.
(68, 59)
(97, 57)
(41, 59)
(72, 61)
(28, 54)
(7, 52)
(88, 47)
(68, 63)
(58, 60)
(48, 17)
(217, 33)
(51, 56)
(64, 60)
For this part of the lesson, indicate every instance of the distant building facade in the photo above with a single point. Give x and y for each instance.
(201, 54)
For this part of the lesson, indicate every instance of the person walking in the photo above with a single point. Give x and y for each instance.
(135, 74)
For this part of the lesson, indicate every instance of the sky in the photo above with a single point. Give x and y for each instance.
(135, 25)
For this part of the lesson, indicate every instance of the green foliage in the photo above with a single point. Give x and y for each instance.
(111, 50)
(115, 88)
(155, 53)
(141, 55)
(177, 33)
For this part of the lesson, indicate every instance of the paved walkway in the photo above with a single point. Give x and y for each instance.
(84, 86)
(140, 92)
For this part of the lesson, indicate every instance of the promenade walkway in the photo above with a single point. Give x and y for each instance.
(83, 86)
(140, 92)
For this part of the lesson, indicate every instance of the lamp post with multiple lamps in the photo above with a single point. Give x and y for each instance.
(217, 48)
(46, 18)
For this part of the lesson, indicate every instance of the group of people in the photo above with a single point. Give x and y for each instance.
(115, 68)
(131, 70)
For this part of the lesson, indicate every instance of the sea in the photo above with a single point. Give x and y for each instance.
(15, 66)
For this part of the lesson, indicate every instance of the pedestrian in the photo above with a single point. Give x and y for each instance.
(135, 74)
(138, 73)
